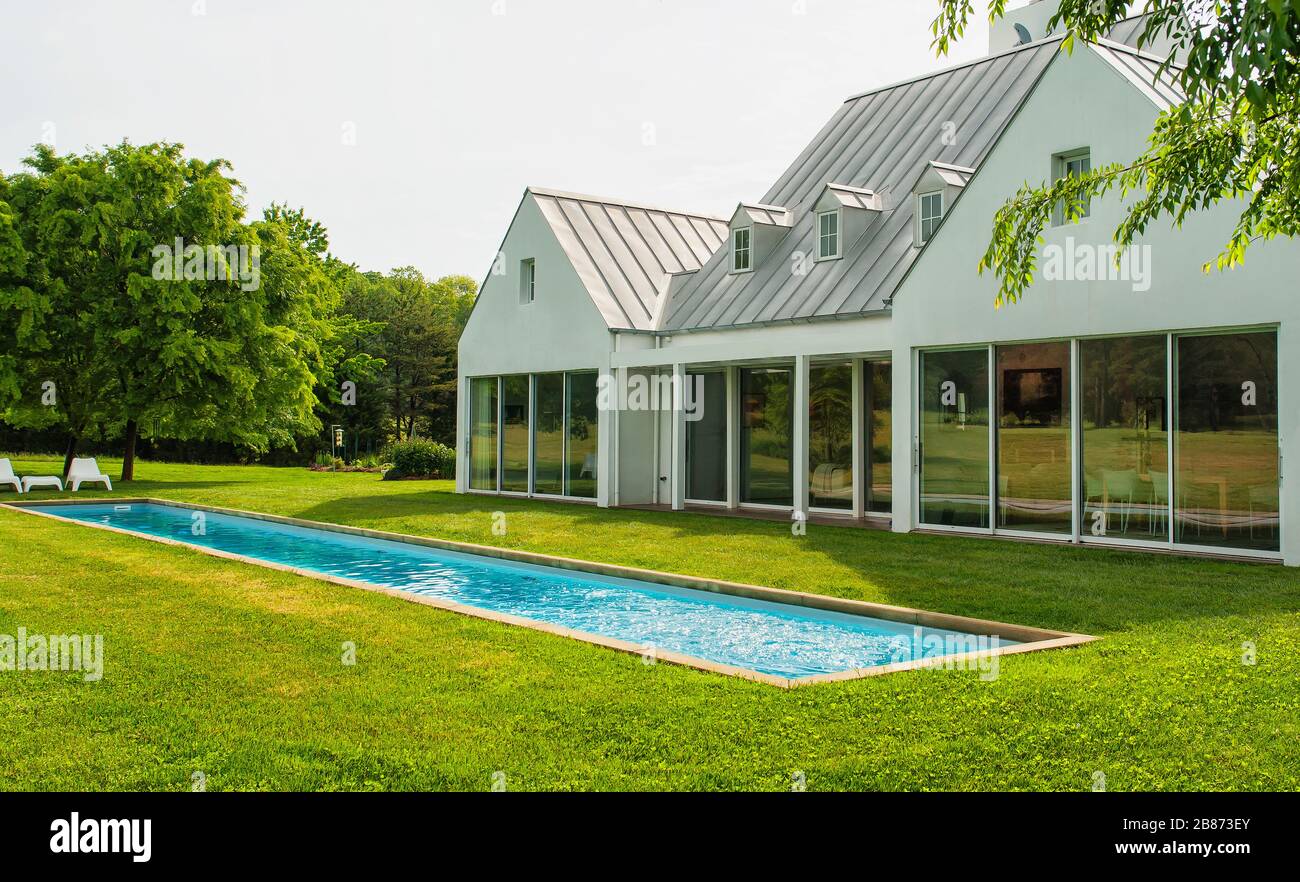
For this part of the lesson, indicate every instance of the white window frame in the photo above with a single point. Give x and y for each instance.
(822, 235)
(527, 281)
(1061, 163)
(921, 237)
(748, 249)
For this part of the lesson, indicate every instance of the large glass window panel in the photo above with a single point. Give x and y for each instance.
(1125, 438)
(1226, 449)
(879, 379)
(514, 434)
(830, 436)
(1034, 490)
(706, 438)
(955, 438)
(548, 434)
(583, 422)
(483, 433)
(766, 414)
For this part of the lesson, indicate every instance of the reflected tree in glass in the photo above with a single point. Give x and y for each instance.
(955, 438)
(830, 436)
(1125, 438)
(514, 434)
(548, 435)
(583, 422)
(483, 433)
(766, 414)
(1226, 449)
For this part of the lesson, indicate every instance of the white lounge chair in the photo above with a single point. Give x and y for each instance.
(86, 471)
(7, 475)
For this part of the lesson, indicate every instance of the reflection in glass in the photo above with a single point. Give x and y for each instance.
(584, 424)
(766, 412)
(1034, 484)
(548, 435)
(706, 438)
(1226, 453)
(830, 436)
(879, 379)
(1125, 439)
(483, 433)
(514, 434)
(955, 438)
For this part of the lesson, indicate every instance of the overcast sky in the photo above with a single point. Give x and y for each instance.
(411, 129)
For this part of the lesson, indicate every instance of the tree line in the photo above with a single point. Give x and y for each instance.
(136, 296)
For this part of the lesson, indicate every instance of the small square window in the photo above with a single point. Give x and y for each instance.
(1071, 165)
(828, 235)
(527, 281)
(740, 250)
(929, 215)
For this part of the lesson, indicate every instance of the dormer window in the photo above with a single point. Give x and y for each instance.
(937, 188)
(929, 214)
(828, 235)
(527, 281)
(741, 250)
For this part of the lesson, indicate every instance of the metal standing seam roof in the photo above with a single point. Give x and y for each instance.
(1142, 71)
(855, 197)
(771, 215)
(626, 254)
(879, 141)
(1128, 30)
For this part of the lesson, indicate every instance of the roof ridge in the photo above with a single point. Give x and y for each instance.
(1036, 44)
(601, 200)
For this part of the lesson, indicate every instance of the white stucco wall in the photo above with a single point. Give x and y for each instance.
(561, 330)
(1082, 102)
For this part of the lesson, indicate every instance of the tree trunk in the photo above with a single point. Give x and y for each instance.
(128, 456)
(69, 454)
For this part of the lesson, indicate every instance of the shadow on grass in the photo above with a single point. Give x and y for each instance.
(1090, 590)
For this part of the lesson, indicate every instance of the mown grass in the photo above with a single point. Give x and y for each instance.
(235, 671)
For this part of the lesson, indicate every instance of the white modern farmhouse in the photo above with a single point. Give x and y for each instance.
(830, 350)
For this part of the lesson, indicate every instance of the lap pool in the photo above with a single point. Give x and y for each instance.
(779, 640)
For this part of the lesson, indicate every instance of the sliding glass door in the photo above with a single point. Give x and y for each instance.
(706, 439)
(878, 378)
(514, 434)
(954, 438)
(830, 437)
(582, 418)
(766, 416)
(548, 434)
(1226, 448)
(1034, 489)
(483, 417)
(1125, 432)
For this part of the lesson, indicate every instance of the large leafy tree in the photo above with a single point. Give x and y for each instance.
(1236, 137)
(413, 325)
(210, 349)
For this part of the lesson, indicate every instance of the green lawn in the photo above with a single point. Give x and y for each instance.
(235, 671)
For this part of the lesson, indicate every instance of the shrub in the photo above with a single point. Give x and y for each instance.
(422, 459)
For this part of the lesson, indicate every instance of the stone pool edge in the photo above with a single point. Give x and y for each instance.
(1029, 639)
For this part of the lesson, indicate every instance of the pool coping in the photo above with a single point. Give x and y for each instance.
(1029, 639)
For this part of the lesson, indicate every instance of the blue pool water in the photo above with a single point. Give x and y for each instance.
(772, 638)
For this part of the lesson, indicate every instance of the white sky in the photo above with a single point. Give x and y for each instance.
(457, 104)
